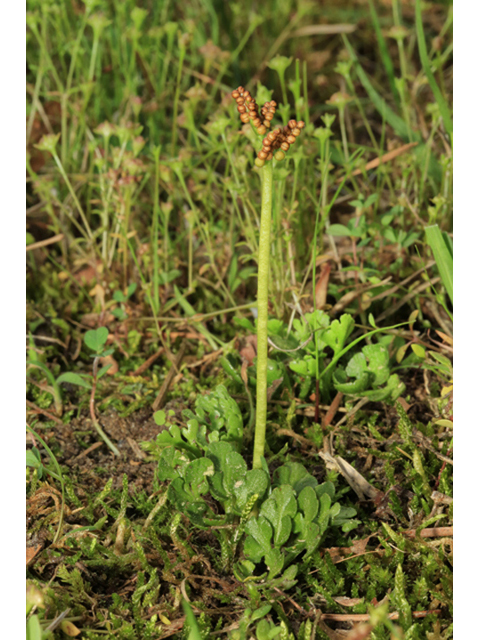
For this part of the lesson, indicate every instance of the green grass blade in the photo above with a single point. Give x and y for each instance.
(448, 242)
(194, 631)
(397, 124)
(422, 50)
(385, 56)
(443, 257)
(59, 477)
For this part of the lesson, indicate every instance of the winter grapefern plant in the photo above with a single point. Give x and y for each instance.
(274, 145)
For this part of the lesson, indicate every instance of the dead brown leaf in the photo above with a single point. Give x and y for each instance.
(362, 488)
(360, 632)
(249, 350)
(93, 319)
(69, 629)
(37, 505)
(98, 292)
(445, 338)
(332, 410)
(373, 164)
(358, 548)
(321, 287)
(32, 552)
(110, 360)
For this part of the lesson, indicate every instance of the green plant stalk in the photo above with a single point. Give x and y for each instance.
(93, 56)
(66, 94)
(230, 159)
(176, 98)
(358, 104)
(385, 56)
(281, 76)
(113, 245)
(145, 285)
(314, 285)
(36, 93)
(166, 59)
(74, 195)
(306, 114)
(262, 318)
(105, 203)
(126, 220)
(155, 227)
(344, 133)
(254, 23)
(397, 20)
(428, 152)
(192, 222)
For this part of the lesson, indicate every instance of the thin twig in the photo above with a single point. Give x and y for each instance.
(97, 426)
(44, 243)
(162, 394)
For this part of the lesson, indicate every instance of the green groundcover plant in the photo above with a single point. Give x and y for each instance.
(283, 516)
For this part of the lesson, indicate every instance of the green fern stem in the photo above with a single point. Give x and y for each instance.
(262, 319)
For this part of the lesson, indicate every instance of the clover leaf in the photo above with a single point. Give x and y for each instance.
(95, 339)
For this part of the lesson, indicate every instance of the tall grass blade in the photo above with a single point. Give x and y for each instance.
(385, 56)
(443, 254)
(194, 631)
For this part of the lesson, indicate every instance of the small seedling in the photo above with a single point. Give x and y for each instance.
(95, 339)
(122, 298)
(34, 362)
(275, 145)
(34, 460)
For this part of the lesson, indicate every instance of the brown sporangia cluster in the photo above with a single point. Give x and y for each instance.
(278, 141)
